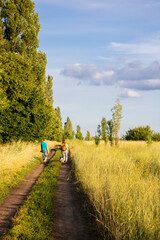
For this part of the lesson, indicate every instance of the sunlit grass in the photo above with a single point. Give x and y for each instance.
(17, 160)
(123, 184)
(34, 220)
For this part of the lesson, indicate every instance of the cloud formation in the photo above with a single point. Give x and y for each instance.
(90, 74)
(128, 93)
(133, 76)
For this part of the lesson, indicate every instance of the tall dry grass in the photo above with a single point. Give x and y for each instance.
(123, 184)
(16, 161)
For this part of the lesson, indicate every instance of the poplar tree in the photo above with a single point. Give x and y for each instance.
(110, 131)
(27, 96)
(21, 26)
(88, 136)
(79, 133)
(68, 129)
(104, 129)
(116, 117)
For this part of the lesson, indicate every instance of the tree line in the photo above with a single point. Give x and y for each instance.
(26, 95)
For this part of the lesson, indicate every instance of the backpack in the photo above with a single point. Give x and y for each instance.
(63, 147)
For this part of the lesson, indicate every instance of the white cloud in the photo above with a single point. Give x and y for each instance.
(133, 76)
(151, 84)
(128, 93)
(89, 73)
(146, 47)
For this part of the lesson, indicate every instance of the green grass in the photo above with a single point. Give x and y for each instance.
(34, 220)
(17, 160)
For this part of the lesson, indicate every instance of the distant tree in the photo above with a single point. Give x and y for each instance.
(98, 135)
(139, 134)
(97, 140)
(68, 130)
(116, 117)
(110, 131)
(99, 132)
(104, 129)
(79, 133)
(88, 136)
(156, 136)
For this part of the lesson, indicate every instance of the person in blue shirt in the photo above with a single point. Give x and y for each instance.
(44, 150)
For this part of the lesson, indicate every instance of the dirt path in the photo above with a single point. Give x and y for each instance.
(10, 205)
(70, 222)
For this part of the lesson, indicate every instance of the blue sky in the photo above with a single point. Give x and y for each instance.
(98, 51)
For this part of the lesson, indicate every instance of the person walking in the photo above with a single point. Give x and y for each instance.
(44, 150)
(64, 149)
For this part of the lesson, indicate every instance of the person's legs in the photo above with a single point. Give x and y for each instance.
(43, 155)
(66, 156)
(46, 155)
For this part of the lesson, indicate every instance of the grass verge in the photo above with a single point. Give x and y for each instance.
(34, 220)
(17, 160)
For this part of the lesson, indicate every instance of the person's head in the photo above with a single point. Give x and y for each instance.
(44, 139)
(63, 141)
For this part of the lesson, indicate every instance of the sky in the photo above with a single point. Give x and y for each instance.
(99, 51)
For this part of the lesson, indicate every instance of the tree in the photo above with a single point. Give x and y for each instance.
(156, 136)
(26, 100)
(58, 111)
(21, 26)
(49, 90)
(78, 133)
(139, 134)
(88, 136)
(116, 118)
(99, 132)
(98, 135)
(68, 130)
(110, 131)
(104, 127)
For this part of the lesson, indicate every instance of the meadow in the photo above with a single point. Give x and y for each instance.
(123, 185)
(17, 160)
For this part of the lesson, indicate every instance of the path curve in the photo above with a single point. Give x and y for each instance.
(70, 222)
(10, 205)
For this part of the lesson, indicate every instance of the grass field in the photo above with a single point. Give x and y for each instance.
(34, 220)
(123, 185)
(16, 162)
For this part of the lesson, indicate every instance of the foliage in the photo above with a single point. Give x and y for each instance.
(26, 97)
(68, 130)
(34, 220)
(99, 132)
(139, 133)
(116, 118)
(110, 131)
(79, 133)
(88, 136)
(104, 127)
(97, 140)
(156, 136)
